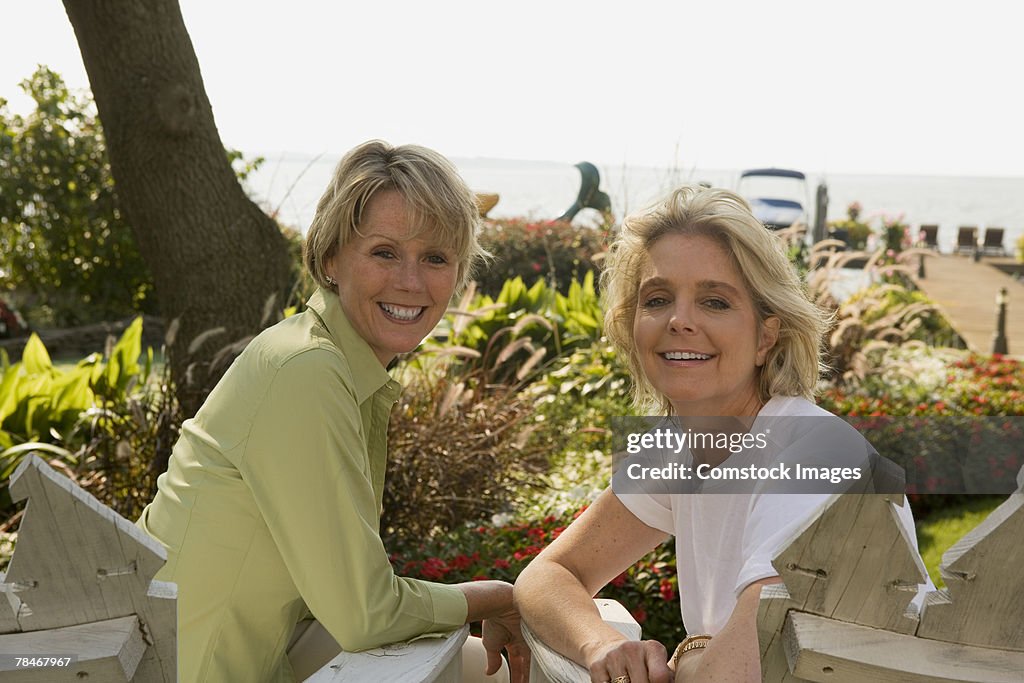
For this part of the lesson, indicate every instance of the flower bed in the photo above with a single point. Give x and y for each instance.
(648, 589)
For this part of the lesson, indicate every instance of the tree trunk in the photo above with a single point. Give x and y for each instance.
(216, 258)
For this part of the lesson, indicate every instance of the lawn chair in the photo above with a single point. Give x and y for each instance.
(993, 242)
(967, 239)
(928, 237)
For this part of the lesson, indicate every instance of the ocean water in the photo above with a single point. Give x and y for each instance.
(291, 185)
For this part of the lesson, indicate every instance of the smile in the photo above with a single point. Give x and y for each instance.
(685, 355)
(402, 313)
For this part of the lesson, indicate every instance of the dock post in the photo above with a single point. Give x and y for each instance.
(920, 266)
(999, 344)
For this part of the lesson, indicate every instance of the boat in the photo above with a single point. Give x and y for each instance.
(777, 196)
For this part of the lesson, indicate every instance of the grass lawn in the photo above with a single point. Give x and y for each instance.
(937, 532)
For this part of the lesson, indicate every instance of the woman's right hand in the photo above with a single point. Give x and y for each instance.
(644, 661)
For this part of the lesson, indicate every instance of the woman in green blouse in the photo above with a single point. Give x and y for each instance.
(271, 503)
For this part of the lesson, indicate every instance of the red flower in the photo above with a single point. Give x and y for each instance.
(434, 569)
(528, 551)
(502, 563)
(640, 614)
(620, 580)
(668, 593)
(460, 562)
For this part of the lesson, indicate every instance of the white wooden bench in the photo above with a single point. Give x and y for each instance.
(841, 615)
(81, 584)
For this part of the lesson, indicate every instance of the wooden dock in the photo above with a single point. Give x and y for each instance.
(967, 293)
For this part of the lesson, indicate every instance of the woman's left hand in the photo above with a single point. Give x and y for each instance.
(491, 602)
(503, 632)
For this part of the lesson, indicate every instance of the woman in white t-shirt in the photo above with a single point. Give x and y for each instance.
(712, 318)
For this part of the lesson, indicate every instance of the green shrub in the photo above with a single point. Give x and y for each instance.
(883, 315)
(67, 254)
(857, 232)
(105, 422)
(458, 449)
(554, 250)
(511, 335)
(64, 245)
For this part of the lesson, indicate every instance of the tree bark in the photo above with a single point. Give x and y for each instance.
(216, 258)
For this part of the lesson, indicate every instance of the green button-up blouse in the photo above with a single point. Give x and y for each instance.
(271, 503)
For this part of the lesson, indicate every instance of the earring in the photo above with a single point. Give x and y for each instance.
(331, 281)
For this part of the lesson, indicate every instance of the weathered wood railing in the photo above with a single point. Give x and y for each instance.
(843, 613)
(547, 666)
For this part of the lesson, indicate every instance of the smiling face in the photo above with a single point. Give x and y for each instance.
(393, 288)
(696, 329)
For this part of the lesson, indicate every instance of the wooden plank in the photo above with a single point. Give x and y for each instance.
(984, 600)
(548, 666)
(852, 562)
(771, 618)
(78, 561)
(106, 651)
(426, 659)
(826, 650)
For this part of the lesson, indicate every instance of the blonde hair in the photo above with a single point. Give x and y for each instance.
(433, 191)
(793, 365)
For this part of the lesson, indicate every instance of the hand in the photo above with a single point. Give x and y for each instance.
(644, 661)
(504, 632)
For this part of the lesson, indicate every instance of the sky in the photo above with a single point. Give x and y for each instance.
(894, 87)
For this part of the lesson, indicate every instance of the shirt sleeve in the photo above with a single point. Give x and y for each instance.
(306, 462)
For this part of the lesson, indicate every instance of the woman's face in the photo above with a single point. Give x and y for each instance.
(696, 329)
(393, 289)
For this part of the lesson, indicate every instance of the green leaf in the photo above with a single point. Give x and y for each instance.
(72, 393)
(35, 359)
(124, 357)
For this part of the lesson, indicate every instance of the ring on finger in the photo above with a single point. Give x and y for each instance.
(621, 679)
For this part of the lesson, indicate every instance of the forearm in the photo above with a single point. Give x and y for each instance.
(487, 599)
(561, 612)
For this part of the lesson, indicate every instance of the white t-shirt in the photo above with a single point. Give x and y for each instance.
(726, 541)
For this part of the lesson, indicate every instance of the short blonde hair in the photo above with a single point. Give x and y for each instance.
(432, 189)
(792, 367)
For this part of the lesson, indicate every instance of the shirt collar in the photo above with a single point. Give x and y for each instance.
(367, 372)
